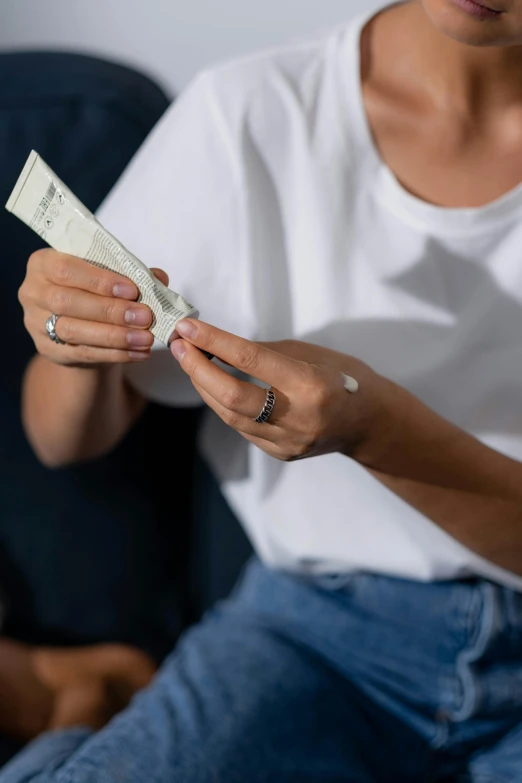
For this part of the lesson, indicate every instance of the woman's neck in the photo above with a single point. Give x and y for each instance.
(473, 79)
(445, 117)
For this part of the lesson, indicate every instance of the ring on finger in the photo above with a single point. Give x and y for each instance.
(50, 328)
(267, 409)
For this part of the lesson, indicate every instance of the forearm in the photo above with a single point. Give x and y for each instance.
(72, 414)
(469, 490)
(411, 441)
(489, 526)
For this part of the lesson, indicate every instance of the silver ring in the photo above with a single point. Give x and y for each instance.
(50, 328)
(267, 409)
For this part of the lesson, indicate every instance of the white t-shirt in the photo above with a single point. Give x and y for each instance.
(262, 195)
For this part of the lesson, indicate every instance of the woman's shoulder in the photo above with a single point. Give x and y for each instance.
(273, 84)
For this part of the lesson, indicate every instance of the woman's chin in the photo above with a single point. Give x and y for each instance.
(470, 26)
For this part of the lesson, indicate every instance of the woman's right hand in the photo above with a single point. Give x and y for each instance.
(100, 320)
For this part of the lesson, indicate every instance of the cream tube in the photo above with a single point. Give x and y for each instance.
(45, 204)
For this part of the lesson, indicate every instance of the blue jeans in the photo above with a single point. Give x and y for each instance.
(360, 679)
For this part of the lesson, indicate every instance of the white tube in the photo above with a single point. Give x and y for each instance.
(45, 204)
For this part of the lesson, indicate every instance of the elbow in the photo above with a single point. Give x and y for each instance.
(50, 457)
(51, 452)
(56, 453)
(55, 460)
(58, 456)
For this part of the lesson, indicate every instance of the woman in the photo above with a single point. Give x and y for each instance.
(360, 197)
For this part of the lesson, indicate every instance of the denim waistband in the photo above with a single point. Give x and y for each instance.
(453, 648)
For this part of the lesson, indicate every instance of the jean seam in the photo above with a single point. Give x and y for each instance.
(471, 690)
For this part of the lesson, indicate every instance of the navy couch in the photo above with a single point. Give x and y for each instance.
(94, 552)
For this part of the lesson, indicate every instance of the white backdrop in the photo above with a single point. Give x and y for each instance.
(169, 39)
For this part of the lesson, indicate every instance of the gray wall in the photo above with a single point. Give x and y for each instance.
(170, 39)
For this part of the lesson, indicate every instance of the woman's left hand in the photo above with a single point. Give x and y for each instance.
(314, 413)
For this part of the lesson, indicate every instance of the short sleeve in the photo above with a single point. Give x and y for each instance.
(178, 207)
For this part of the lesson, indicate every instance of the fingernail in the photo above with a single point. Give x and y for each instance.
(178, 349)
(186, 328)
(138, 316)
(139, 338)
(139, 356)
(124, 291)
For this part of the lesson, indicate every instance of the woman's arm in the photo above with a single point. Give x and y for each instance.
(468, 489)
(76, 403)
(72, 414)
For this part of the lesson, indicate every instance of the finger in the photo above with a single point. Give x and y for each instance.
(176, 336)
(237, 396)
(75, 355)
(249, 357)
(73, 272)
(270, 445)
(91, 307)
(76, 332)
(161, 275)
(245, 425)
(88, 354)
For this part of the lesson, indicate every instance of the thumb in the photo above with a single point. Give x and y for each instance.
(161, 275)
